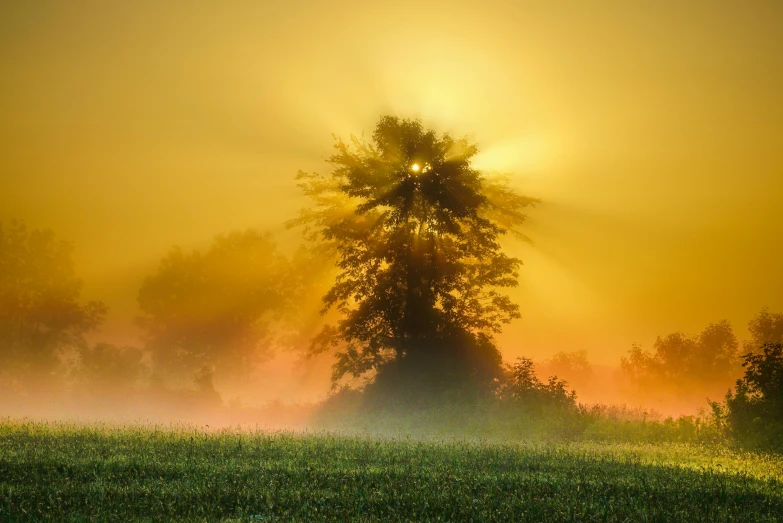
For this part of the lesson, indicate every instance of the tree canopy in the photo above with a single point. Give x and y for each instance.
(572, 366)
(212, 311)
(766, 328)
(415, 229)
(40, 314)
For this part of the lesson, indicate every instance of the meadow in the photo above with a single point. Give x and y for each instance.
(71, 472)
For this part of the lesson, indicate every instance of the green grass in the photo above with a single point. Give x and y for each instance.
(62, 472)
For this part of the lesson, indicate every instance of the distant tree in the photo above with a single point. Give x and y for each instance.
(765, 328)
(716, 357)
(573, 366)
(214, 311)
(415, 230)
(753, 413)
(683, 363)
(41, 318)
(108, 369)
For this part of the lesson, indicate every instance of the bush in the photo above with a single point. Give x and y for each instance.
(752, 415)
(523, 386)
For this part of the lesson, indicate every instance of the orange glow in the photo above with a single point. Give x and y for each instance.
(652, 134)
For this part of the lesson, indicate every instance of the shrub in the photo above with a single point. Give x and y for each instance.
(753, 413)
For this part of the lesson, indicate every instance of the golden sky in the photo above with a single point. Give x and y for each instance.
(652, 131)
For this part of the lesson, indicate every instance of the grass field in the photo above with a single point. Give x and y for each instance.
(62, 472)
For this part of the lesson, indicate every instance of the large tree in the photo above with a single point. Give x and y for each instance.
(41, 317)
(415, 229)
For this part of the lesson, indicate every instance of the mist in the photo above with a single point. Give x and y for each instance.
(650, 136)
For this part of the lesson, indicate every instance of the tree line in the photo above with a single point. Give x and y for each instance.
(411, 232)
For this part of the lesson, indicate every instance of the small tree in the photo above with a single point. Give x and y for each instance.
(415, 230)
(41, 318)
(522, 385)
(753, 413)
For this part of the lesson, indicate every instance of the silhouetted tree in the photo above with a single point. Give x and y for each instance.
(415, 229)
(40, 315)
(215, 310)
(685, 364)
(753, 413)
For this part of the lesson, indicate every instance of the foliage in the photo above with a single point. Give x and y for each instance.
(526, 407)
(521, 406)
(415, 230)
(753, 413)
(68, 473)
(765, 328)
(619, 423)
(523, 386)
(40, 314)
(685, 364)
(215, 309)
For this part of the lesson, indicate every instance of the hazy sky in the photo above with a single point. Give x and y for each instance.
(653, 132)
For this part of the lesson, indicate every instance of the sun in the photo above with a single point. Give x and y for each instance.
(415, 167)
